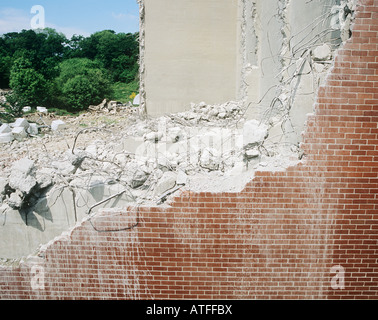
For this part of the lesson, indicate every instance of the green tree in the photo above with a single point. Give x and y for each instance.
(45, 49)
(82, 82)
(28, 85)
(118, 53)
(5, 67)
(43, 66)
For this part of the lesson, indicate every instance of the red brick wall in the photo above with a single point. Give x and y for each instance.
(278, 238)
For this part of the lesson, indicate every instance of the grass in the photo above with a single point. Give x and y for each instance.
(123, 91)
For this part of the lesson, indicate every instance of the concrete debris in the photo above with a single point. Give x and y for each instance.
(19, 133)
(254, 133)
(26, 109)
(182, 178)
(22, 176)
(61, 176)
(153, 136)
(136, 100)
(202, 112)
(112, 105)
(322, 52)
(137, 174)
(109, 106)
(252, 153)
(343, 15)
(44, 178)
(57, 125)
(175, 134)
(19, 130)
(42, 110)
(16, 199)
(99, 107)
(24, 185)
(21, 123)
(165, 183)
(63, 167)
(6, 137)
(5, 128)
(210, 159)
(33, 129)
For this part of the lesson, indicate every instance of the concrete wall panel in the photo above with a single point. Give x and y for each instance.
(190, 53)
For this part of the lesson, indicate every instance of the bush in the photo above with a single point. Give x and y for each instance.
(83, 83)
(13, 108)
(29, 86)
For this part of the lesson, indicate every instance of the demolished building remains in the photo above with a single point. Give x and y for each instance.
(227, 92)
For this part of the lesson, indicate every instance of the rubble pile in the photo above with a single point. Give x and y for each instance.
(25, 184)
(70, 167)
(109, 106)
(150, 158)
(217, 114)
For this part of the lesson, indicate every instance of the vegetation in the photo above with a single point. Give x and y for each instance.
(124, 92)
(44, 68)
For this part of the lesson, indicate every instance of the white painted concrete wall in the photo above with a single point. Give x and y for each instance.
(190, 53)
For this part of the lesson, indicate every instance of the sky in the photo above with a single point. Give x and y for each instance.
(80, 17)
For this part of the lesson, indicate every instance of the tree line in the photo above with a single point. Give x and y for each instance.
(44, 68)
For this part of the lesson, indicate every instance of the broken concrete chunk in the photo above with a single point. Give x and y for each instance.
(136, 100)
(26, 109)
(166, 182)
(64, 167)
(322, 53)
(91, 150)
(6, 137)
(58, 125)
(175, 134)
(213, 112)
(202, 104)
(33, 129)
(138, 179)
(112, 105)
(252, 153)
(254, 133)
(44, 178)
(21, 122)
(153, 136)
(222, 115)
(24, 166)
(136, 175)
(190, 115)
(210, 159)
(22, 176)
(16, 200)
(319, 67)
(181, 178)
(76, 159)
(42, 109)
(19, 133)
(5, 128)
